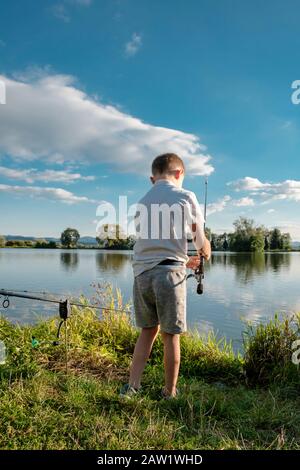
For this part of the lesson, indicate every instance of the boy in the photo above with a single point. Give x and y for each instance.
(159, 264)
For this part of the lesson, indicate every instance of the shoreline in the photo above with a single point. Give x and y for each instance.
(190, 252)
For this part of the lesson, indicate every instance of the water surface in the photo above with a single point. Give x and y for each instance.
(237, 286)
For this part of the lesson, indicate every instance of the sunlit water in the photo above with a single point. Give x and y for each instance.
(238, 287)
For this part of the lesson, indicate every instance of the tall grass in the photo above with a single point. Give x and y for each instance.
(227, 401)
(268, 352)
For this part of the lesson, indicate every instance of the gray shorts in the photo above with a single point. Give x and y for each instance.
(159, 297)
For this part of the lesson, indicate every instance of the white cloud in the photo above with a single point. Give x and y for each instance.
(30, 175)
(32, 73)
(55, 194)
(270, 211)
(218, 206)
(49, 119)
(246, 184)
(134, 45)
(288, 189)
(286, 125)
(61, 10)
(244, 202)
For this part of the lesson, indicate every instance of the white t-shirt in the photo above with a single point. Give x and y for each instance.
(164, 221)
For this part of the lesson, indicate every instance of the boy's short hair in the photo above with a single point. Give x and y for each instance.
(167, 162)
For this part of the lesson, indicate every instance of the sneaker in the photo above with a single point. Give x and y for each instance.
(127, 391)
(165, 396)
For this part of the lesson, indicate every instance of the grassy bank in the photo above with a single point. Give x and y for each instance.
(227, 401)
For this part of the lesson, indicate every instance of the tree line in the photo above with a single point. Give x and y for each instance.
(249, 237)
(246, 237)
(110, 237)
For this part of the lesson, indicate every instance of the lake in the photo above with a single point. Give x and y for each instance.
(238, 286)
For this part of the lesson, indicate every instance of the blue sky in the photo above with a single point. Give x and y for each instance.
(96, 88)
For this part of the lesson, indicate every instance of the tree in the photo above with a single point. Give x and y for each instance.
(130, 242)
(213, 242)
(111, 236)
(257, 241)
(247, 236)
(275, 239)
(244, 226)
(108, 235)
(16, 243)
(224, 242)
(42, 243)
(2, 241)
(286, 241)
(29, 243)
(267, 242)
(250, 237)
(241, 237)
(69, 237)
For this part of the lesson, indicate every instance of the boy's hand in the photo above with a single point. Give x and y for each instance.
(193, 262)
(205, 251)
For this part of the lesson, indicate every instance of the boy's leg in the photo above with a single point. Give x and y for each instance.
(141, 354)
(171, 361)
(170, 289)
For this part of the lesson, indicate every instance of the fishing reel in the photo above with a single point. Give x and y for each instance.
(199, 276)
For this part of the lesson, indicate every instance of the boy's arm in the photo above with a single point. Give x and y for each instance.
(196, 226)
(205, 250)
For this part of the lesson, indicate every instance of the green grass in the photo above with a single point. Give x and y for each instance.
(227, 401)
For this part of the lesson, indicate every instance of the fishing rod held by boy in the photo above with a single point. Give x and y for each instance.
(199, 268)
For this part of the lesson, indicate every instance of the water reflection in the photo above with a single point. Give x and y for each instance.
(69, 260)
(278, 260)
(111, 261)
(248, 266)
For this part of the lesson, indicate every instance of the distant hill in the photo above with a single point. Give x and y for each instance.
(20, 237)
(84, 240)
(88, 241)
(296, 245)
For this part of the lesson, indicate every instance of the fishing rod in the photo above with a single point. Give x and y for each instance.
(26, 295)
(199, 271)
(64, 310)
